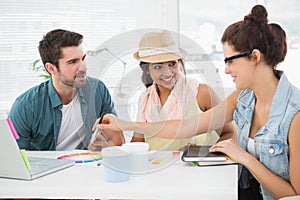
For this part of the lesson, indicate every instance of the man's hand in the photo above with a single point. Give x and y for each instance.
(106, 138)
(98, 143)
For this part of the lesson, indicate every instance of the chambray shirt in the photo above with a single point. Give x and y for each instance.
(37, 115)
(271, 141)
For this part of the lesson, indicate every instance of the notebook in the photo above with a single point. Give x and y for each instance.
(12, 164)
(201, 153)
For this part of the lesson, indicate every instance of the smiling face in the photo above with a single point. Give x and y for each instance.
(165, 74)
(72, 70)
(239, 68)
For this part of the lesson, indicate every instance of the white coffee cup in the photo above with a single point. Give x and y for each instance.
(138, 157)
(116, 164)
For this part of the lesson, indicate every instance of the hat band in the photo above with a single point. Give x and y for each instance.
(156, 51)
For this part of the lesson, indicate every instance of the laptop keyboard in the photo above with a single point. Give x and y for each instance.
(40, 164)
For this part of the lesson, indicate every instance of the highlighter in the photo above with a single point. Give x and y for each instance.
(24, 156)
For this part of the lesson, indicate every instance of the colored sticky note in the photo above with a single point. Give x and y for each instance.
(24, 156)
(12, 128)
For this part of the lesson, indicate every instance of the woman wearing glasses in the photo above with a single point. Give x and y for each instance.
(265, 107)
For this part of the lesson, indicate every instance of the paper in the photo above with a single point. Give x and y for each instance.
(158, 157)
(218, 163)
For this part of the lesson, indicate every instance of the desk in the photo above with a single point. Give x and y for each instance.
(85, 181)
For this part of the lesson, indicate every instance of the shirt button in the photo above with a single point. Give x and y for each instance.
(271, 150)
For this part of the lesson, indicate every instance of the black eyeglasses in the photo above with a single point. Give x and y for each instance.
(243, 54)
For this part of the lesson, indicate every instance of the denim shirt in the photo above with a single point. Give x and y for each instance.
(37, 115)
(271, 141)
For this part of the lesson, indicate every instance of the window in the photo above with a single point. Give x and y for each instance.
(113, 23)
(204, 22)
(23, 23)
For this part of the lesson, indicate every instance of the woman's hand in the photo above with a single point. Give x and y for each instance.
(109, 122)
(231, 148)
(99, 143)
(110, 135)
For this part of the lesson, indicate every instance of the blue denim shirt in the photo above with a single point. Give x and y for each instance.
(271, 141)
(37, 115)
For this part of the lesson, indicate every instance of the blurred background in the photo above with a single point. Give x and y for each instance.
(112, 29)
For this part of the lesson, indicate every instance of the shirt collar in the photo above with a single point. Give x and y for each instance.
(279, 102)
(247, 99)
(54, 98)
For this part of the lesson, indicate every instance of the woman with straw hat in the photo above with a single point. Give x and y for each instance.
(169, 94)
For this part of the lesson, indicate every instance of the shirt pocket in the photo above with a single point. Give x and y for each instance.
(275, 157)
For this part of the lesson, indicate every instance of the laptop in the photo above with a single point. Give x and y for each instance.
(12, 163)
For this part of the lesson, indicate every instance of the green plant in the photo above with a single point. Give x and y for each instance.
(38, 66)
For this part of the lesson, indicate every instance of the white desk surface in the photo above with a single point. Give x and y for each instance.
(85, 181)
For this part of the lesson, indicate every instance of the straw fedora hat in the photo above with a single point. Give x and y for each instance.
(157, 47)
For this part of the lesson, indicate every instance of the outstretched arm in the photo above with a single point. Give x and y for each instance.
(208, 99)
(210, 120)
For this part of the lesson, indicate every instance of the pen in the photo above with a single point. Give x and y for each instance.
(95, 134)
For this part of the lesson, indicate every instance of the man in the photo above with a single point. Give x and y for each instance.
(59, 114)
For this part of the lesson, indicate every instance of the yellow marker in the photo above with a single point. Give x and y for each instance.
(24, 156)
